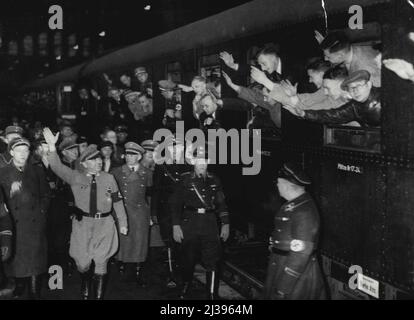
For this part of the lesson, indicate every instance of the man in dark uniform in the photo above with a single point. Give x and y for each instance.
(27, 196)
(197, 203)
(94, 235)
(11, 133)
(293, 272)
(166, 177)
(173, 109)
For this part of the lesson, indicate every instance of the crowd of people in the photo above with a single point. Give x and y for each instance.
(77, 200)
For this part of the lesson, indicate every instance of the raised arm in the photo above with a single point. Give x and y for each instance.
(66, 174)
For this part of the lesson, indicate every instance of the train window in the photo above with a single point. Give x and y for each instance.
(364, 103)
(210, 69)
(351, 138)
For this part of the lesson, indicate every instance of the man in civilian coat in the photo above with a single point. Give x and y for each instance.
(27, 196)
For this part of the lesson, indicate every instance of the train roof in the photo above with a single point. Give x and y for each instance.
(247, 19)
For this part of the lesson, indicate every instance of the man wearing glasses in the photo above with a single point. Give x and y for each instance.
(365, 106)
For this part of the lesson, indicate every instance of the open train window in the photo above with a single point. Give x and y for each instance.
(210, 69)
(364, 95)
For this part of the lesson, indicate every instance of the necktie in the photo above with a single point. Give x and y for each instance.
(93, 198)
(132, 169)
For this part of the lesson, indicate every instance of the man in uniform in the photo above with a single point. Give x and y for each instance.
(94, 235)
(11, 133)
(166, 177)
(173, 109)
(133, 180)
(196, 204)
(27, 196)
(293, 270)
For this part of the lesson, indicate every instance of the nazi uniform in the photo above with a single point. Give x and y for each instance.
(293, 271)
(133, 182)
(197, 204)
(94, 236)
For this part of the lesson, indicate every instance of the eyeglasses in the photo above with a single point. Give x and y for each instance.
(357, 87)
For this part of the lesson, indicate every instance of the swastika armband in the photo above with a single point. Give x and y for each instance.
(116, 196)
(301, 246)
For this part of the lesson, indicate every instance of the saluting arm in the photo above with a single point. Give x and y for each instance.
(65, 173)
(340, 115)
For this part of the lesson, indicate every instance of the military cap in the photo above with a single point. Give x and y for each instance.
(18, 142)
(360, 75)
(139, 70)
(66, 123)
(121, 128)
(166, 85)
(149, 145)
(134, 148)
(67, 144)
(13, 129)
(90, 153)
(104, 144)
(130, 93)
(294, 174)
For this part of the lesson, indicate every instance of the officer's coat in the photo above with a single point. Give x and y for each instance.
(132, 185)
(28, 212)
(293, 272)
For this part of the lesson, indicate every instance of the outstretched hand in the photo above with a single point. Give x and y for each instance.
(402, 68)
(50, 138)
(227, 59)
(295, 111)
(258, 75)
(318, 36)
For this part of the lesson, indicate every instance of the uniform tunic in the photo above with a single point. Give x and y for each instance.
(28, 208)
(198, 219)
(92, 239)
(132, 185)
(166, 177)
(293, 270)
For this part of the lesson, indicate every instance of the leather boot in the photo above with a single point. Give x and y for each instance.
(85, 285)
(34, 287)
(20, 286)
(140, 279)
(185, 289)
(212, 283)
(98, 286)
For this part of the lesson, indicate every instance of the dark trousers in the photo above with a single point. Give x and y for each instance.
(201, 239)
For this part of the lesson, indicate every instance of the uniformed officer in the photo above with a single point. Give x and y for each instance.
(166, 177)
(144, 84)
(196, 204)
(173, 109)
(27, 196)
(133, 180)
(11, 133)
(94, 235)
(293, 271)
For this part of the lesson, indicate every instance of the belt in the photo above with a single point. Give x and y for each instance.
(98, 215)
(279, 252)
(199, 210)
